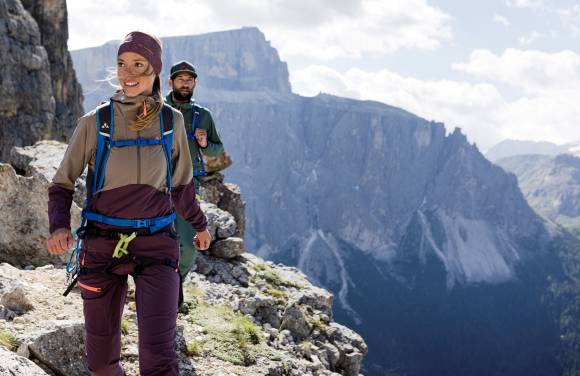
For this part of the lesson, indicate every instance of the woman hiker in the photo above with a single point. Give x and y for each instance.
(140, 173)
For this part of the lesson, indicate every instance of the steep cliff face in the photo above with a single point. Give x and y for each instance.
(25, 75)
(39, 96)
(52, 19)
(369, 173)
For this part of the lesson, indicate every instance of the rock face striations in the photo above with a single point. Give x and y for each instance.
(40, 97)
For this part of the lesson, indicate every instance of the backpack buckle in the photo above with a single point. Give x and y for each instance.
(142, 223)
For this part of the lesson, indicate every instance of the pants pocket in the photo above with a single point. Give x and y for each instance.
(97, 285)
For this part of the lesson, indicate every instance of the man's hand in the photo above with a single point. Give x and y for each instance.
(201, 137)
(60, 241)
(202, 240)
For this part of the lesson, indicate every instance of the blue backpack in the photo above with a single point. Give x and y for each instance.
(105, 131)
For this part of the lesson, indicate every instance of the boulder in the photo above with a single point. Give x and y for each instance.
(228, 248)
(60, 347)
(15, 300)
(221, 224)
(227, 197)
(43, 158)
(24, 220)
(14, 364)
(219, 270)
(295, 320)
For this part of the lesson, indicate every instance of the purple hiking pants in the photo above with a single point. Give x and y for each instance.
(156, 295)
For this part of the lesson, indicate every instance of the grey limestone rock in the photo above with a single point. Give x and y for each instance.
(228, 248)
(14, 364)
(295, 320)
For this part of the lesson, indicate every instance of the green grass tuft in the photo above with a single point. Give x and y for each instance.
(8, 341)
(230, 336)
(193, 348)
(124, 326)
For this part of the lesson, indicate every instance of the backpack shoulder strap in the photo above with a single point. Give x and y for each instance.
(195, 116)
(105, 126)
(167, 115)
(166, 122)
(104, 120)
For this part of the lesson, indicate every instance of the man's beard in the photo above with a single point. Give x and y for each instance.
(178, 96)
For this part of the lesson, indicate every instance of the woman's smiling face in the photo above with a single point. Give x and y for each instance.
(135, 74)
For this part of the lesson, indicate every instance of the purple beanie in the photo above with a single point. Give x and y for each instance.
(145, 45)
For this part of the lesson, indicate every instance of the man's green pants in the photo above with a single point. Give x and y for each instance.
(187, 251)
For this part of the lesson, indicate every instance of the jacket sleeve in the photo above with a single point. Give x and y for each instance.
(60, 192)
(183, 191)
(214, 143)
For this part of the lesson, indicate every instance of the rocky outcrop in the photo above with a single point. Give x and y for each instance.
(39, 95)
(24, 226)
(24, 222)
(43, 159)
(294, 314)
(13, 364)
(52, 19)
(227, 197)
(26, 100)
(286, 319)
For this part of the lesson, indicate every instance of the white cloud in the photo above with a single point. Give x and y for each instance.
(524, 3)
(551, 117)
(481, 110)
(526, 40)
(534, 72)
(501, 20)
(550, 83)
(570, 18)
(323, 29)
(94, 23)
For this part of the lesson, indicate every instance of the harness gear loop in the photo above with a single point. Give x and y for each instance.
(121, 248)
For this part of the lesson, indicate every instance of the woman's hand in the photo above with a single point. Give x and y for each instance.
(60, 241)
(202, 240)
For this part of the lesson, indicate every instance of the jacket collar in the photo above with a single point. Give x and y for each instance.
(120, 97)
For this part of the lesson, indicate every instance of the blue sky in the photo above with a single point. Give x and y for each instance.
(495, 68)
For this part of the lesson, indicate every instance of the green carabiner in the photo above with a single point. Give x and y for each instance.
(121, 248)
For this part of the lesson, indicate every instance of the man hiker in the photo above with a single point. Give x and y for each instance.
(203, 139)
